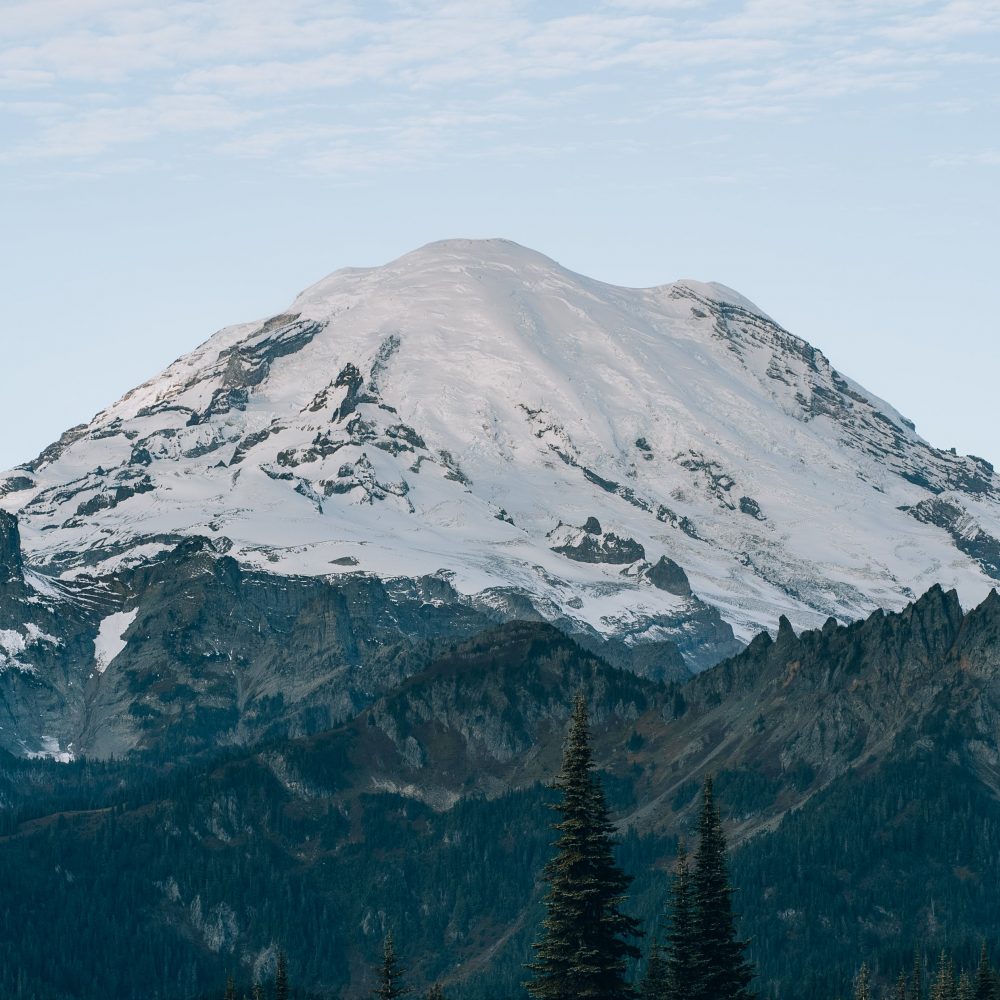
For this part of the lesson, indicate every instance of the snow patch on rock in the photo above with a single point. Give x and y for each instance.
(110, 639)
(50, 750)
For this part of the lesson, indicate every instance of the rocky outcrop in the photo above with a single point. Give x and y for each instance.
(591, 545)
(750, 506)
(217, 653)
(667, 575)
(11, 565)
(967, 534)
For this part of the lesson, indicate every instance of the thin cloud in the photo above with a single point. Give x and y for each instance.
(325, 83)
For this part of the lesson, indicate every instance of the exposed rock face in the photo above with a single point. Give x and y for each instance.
(193, 650)
(813, 705)
(967, 534)
(668, 576)
(217, 655)
(11, 566)
(750, 506)
(590, 545)
(808, 708)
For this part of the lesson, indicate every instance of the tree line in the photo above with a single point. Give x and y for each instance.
(947, 982)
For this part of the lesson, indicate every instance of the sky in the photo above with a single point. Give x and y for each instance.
(168, 168)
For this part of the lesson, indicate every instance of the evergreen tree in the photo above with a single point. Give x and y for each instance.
(683, 972)
(281, 978)
(863, 984)
(964, 986)
(654, 982)
(230, 988)
(723, 973)
(257, 993)
(436, 992)
(944, 987)
(983, 987)
(390, 975)
(582, 951)
(901, 987)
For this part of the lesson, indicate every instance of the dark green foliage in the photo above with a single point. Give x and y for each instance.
(685, 793)
(746, 791)
(950, 980)
(863, 985)
(583, 948)
(944, 986)
(654, 980)
(722, 971)
(909, 845)
(391, 975)
(684, 951)
(983, 984)
(281, 978)
(436, 992)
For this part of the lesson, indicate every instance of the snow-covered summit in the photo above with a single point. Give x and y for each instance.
(447, 412)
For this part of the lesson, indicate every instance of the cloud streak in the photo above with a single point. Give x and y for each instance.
(326, 84)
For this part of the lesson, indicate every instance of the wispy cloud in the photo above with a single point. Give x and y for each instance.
(333, 84)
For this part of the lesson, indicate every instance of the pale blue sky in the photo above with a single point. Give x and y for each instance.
(170, 167)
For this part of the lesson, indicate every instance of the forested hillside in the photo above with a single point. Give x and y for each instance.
(855, 770)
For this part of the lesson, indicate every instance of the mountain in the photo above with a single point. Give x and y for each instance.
(857, 768)
(469, 435)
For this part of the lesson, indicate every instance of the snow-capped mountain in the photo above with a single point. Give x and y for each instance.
(618, 458)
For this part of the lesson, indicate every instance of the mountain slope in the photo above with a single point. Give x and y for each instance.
(449, 412)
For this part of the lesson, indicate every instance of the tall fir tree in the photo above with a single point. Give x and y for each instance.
(584, 947)
(964, 989)
(983, 987)
(436, 992)
(654, 979)
(230, 988)
(944, 986)
(257, 993)
(683, 971)
(391, 975)
(723, 972)
(863, 984)
(281, 978)
(900, 992)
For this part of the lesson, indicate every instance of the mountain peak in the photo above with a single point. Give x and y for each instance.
(443, 414)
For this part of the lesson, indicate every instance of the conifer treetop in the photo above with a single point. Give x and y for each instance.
(584, 947)
(391, 984)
